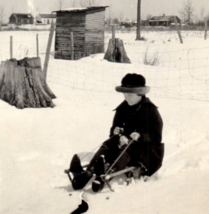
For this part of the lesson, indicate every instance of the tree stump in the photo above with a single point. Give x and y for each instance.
(22, 84)
(116, 52)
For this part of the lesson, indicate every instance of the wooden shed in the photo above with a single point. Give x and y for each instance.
(87, 26)
(21, 18)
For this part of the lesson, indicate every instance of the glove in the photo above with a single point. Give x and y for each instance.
(135, 136)
(123, 142)
(118, 131)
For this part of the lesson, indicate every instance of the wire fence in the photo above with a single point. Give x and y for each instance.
(180, 71)
(24, 44)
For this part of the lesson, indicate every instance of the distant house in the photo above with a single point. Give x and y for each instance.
(127, 24)
(87, 26)
(46, 18)
(163, 20)
(21, 18)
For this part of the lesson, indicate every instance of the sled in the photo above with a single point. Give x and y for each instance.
(109, 175)
(135, 172)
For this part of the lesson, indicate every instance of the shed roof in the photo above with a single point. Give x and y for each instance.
(23, 15)
(49, 16)
(80, 9)
(162, 18)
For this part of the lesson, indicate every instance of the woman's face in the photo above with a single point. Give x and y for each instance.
(132, 99)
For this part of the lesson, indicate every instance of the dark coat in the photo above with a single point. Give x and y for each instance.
(145, 119)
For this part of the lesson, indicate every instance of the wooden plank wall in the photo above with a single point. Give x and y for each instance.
(94, 36)
(88, 33)
(66, 23)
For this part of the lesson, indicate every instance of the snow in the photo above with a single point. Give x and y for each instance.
(37, 144)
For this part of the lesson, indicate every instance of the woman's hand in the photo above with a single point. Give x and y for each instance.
(123, 142)
(135, 136)
(117, 131)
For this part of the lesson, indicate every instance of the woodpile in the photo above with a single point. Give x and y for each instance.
(116, 52)
(22, 84)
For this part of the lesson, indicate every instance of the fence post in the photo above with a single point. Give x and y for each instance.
(72, 46)
(206, 27)
(37, 45)
(11, 47)
(46, 62)
(113, 34)
(178, 31)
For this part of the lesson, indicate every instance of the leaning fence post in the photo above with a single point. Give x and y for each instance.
(72, 46)
(206, 27)
(11, 47)
(46, 62)
(37, 45)
(113, 34)
(178, 31)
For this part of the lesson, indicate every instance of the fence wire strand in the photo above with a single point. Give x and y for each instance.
(180, 72)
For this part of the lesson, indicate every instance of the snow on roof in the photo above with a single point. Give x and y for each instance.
(74, 9)
(23, 15)
(162, 18)
(47, 15)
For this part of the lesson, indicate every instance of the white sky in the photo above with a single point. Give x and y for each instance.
(126, 7)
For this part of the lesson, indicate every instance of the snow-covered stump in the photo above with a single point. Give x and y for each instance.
(116, 52)
(22, 84)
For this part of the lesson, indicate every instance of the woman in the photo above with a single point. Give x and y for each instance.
(136, 118)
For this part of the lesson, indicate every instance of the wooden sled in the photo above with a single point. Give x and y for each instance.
(135, 172)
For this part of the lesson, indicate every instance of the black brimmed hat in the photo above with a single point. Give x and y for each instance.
(133, 83)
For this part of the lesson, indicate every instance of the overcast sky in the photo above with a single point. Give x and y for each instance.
(126, 7)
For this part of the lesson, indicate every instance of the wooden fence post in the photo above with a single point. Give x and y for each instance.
(37, 45)
(206, 27)
(72, 46)
(46, 62)
(178, 31)
(113, 34)
(11, 47)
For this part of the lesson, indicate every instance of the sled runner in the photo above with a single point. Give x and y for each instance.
(108, 175)
(107, 178)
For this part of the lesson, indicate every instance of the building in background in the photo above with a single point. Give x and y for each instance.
(45, 18)
(164, 20)
(21, 18)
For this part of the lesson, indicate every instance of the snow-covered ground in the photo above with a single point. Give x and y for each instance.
(36, 145)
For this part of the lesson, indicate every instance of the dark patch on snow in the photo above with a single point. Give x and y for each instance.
(82, 208)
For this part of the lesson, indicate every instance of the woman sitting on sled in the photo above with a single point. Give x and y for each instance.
(136, 119)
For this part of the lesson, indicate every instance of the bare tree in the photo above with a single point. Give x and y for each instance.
(2, 14)
(138, 31)
(187, 12)
(120, 17)
(199, 20)
(73, 3)
(115, 21)
(148, 17)
(60, 4)
(109, 16)
(88, 3)
(202, 13)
